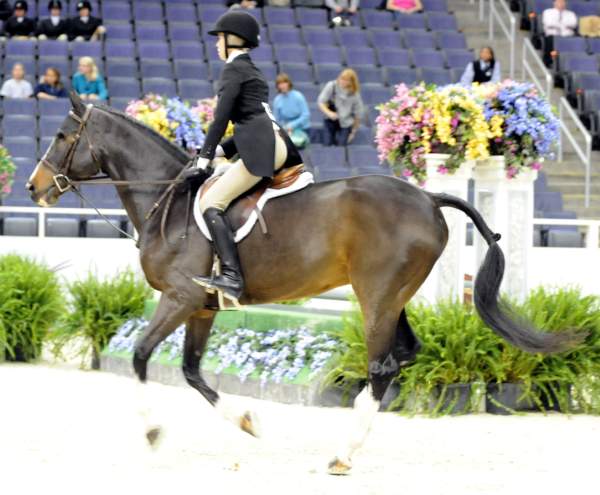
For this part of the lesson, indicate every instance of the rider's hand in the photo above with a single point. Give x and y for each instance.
(333, 116)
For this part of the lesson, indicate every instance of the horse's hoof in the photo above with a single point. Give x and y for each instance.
(249, 423)
(339, 467)
(154, 436)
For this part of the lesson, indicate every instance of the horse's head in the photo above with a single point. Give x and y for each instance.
(70, 156)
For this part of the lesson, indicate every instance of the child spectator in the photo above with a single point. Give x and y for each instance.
(51, 87)
(17, 86)
(291, 110)
(19, 25)
(85, 27)
(87, 82)
(342, 11)
(342, 105)
(55, 27)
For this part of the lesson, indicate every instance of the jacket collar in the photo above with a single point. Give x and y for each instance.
(234, 55)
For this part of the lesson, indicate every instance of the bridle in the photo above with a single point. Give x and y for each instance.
(64, 183)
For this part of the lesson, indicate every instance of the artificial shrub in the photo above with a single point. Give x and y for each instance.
(97, 308)
(31, 302)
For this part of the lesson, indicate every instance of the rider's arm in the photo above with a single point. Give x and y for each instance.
(229, 147)
(231, 81)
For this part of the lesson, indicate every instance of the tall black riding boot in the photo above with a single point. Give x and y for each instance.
(230, 282)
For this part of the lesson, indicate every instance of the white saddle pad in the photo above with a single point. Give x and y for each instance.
(303, 180)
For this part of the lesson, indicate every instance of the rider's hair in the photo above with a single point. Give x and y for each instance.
(90, 61)
(283, 78)
(351, 75)
(234, 39)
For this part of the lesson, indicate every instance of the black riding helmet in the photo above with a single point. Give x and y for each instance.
(241, 24)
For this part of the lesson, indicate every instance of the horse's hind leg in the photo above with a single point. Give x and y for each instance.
(407, 344)
(169, 315)
(196, 336)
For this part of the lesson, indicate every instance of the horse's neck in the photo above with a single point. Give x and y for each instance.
(131, 156)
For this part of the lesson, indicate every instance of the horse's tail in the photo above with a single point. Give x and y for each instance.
(495, 313)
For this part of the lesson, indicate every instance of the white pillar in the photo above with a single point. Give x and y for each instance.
(507, 207)
(446, 280)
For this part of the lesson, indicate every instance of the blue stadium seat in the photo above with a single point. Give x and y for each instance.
(264, 53)
(361, 56)
(374, 94)
(368, 74)
(377, 19)
(189, 69)
(397, 75)
(394, 57)
(316, 37)
(160, 86)
(20, 48)
(60, 107)
(123, 88)
(431, 75)
(153, 50)
(21, 146)
(411, 21)
(311, 17)
(441, 21)
(184, 32)
(352, 37)
(156, 68)
(18, 126)
(145, 12)
(180, 12)
(119, 32)
(121, 68)
(298, 72)
(293, 54)
(52, 48)
(428, 58)
(284, 35)
(458, 59)
(119, 49)
(386, 39)
(448, 40)
(86, 49)
(326, 55)
(193, 89)
(414, 38)
(151, 32)
(17, 106)
(116, 12)
(49, 125)
(327, 72)
(186, 51)
(274, 16)
(435, 5)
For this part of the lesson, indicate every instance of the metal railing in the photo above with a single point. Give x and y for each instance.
(583, 152)
(532, 62)
(481, 8)
(592, 228)
(42, 213)
(500, 13)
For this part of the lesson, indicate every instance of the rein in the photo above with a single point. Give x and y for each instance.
(64, 183)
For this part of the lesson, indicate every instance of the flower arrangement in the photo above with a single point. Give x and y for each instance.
(530, 127)
(273, 355)
(7, 172)
(468, 123)
(205, 109)
(172, 118)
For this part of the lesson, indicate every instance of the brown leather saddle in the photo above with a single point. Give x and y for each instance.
(240, 210)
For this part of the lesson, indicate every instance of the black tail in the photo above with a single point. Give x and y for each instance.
(495, 313)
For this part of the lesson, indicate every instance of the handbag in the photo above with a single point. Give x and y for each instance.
(299, 138)
(331, 102)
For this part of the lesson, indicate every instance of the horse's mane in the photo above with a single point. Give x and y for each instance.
(172, 148)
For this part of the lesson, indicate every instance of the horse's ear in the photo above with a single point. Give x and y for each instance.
(76, 103)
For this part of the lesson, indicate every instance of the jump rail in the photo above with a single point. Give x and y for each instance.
(500, 13)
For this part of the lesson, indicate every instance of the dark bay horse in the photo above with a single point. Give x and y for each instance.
(379, 234)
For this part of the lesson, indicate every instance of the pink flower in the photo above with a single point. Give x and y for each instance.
(406, 173)
(442, 169)
(511, 172)
(6, 189)
(3, 176)
(536, 165)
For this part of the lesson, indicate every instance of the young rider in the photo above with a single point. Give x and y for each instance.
(263, 147)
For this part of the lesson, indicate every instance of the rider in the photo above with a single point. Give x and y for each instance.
(263, 146)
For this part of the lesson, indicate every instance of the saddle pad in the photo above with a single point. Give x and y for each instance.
(305, 179)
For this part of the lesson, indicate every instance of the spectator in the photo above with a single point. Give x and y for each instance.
(342, 11)
(55, 27)
(342, 105)
(486, 69)
(85, 27)
(87, 82)
(404, 6)
(18, 25)
(5, 10)
(245, 4)
(51, 87)
(17, 86)
(291, 110)
(557, 21)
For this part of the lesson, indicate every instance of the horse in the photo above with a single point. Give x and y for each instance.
(380, 234)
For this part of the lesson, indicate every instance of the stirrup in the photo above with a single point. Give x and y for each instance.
(210, 289)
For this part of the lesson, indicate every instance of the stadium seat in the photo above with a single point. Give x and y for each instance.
(160, 86)
(87, 49)
(194, 89)
(180, 12)
(298, 72)
(428, 58)
(274, 16)
(393, 57)
(326, 55)
(52, 48)
(19, 126)
(411, 21)
(59, 107)
(121, 68)
(156, 68)
(187, 69)
(311, 17)
(123, 88)
(430, 75)
(16, 106)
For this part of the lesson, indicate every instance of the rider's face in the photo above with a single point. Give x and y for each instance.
(221, 47)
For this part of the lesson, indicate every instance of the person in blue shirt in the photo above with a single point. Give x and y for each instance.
(51, 87)
(88, 83)
(291, 110)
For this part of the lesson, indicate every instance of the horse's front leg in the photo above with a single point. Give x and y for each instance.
(196, 336)
(170, 313)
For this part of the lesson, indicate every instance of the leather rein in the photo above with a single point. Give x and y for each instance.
(64, 183)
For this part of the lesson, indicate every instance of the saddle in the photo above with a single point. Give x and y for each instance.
(242, 207)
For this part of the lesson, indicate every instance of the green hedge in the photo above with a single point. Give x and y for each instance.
(31, 302)
(459, 349)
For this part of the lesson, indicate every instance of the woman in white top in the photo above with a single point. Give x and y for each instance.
(17, 86)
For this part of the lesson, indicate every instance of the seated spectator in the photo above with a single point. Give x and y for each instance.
(5, 10)
(342, 105)
(51, 87)
(17, 86)
(342, 11)
(557, 21)
(85, 27)
(88, 82)
(245, 4)
(55, 27)
(404, 6)
(18, 25)
(486, 69)
(291, 110)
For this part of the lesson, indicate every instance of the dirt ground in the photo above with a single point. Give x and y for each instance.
(66, 431)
